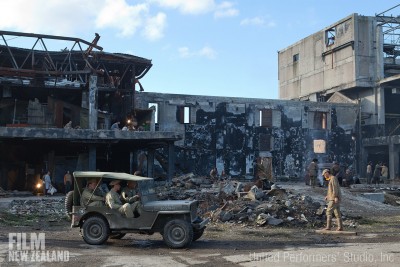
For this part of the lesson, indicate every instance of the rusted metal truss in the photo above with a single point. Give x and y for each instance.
(391, 31)
(69, 67)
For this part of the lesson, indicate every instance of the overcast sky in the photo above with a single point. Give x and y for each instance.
(202, 47)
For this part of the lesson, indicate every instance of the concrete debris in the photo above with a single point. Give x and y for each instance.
(229, 189)
(246, 203)
(262, 219)
(49, 209)
(255, 193)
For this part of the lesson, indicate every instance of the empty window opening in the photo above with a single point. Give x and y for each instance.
(320, 120)
(296, 58)
(330, 36)
(184, 114)
(155, 107)
(266, 117)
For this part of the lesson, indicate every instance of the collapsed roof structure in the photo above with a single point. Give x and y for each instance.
(56, 109)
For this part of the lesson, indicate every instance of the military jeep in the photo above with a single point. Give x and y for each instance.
(175, 220)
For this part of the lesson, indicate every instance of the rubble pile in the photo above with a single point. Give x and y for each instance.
(245, 203)
(3, 192)
(51, 208)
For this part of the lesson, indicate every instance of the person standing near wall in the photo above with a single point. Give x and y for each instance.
(377, 174)
(67, 182)
(47, 183)
(369, 172)
(313, 172)
(385, 173)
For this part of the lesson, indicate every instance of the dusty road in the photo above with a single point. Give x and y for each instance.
(223, 244)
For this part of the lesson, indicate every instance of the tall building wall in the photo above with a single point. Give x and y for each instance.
(339, 57)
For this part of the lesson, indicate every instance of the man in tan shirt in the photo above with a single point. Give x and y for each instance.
(333, 198)
(113, 200)
(90, 196)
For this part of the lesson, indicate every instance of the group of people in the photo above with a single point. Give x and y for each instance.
(380, 174)
(49, 188)
(345, 178)
(131, 125)
(127, 203)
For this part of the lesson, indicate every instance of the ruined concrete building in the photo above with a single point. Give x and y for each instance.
(233, 133)
(57, 107)
(352, 61)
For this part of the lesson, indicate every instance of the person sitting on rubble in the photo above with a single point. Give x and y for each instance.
(68, 125)
(114, 202)
(129, 194)
(90, 196)
(115, 125)
(214, 173)
(348, 178)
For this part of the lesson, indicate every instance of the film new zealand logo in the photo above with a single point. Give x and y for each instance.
(23, 247)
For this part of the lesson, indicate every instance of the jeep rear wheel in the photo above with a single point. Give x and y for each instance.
(197, 233)
(178, 234)
(95, 230)
(68, 203)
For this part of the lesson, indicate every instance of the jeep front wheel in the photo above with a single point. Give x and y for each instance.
(197, 233)
(178, 234)
(95, 230)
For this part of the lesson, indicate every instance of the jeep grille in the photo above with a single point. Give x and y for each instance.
(193, 210)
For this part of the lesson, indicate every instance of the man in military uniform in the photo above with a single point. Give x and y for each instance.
(90, 196)
(313, 172)
(333, 197)
(113, 201)
(129, 193)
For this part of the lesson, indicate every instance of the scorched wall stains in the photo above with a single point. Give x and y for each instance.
(231, 133)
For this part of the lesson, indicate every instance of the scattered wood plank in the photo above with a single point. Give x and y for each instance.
(334, 232)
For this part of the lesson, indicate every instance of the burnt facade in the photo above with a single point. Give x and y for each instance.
(231, 133)
(353, 60)
(57, 107)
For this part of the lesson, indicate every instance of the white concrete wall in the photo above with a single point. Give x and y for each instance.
(345, 68)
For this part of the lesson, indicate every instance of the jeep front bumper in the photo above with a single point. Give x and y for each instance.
(200, 225)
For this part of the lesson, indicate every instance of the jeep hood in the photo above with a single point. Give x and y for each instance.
(169, 205)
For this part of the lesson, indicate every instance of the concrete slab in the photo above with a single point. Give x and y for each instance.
(380, 197)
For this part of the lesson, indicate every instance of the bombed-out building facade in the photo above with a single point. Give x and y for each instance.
(59, 111)
(232, 134)
(57, 108)
(354, 60)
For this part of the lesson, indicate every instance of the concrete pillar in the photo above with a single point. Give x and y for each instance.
(92, 157)
(364, 163)
(51, 164)
(380, 105)
(171, 161)
(150, 162)
(153, 121)
(131, 158)
(393, 159)
(92, 102)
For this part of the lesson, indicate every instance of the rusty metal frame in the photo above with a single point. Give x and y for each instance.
(31, 64)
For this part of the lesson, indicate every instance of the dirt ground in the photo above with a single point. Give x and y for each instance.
(225, 244)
